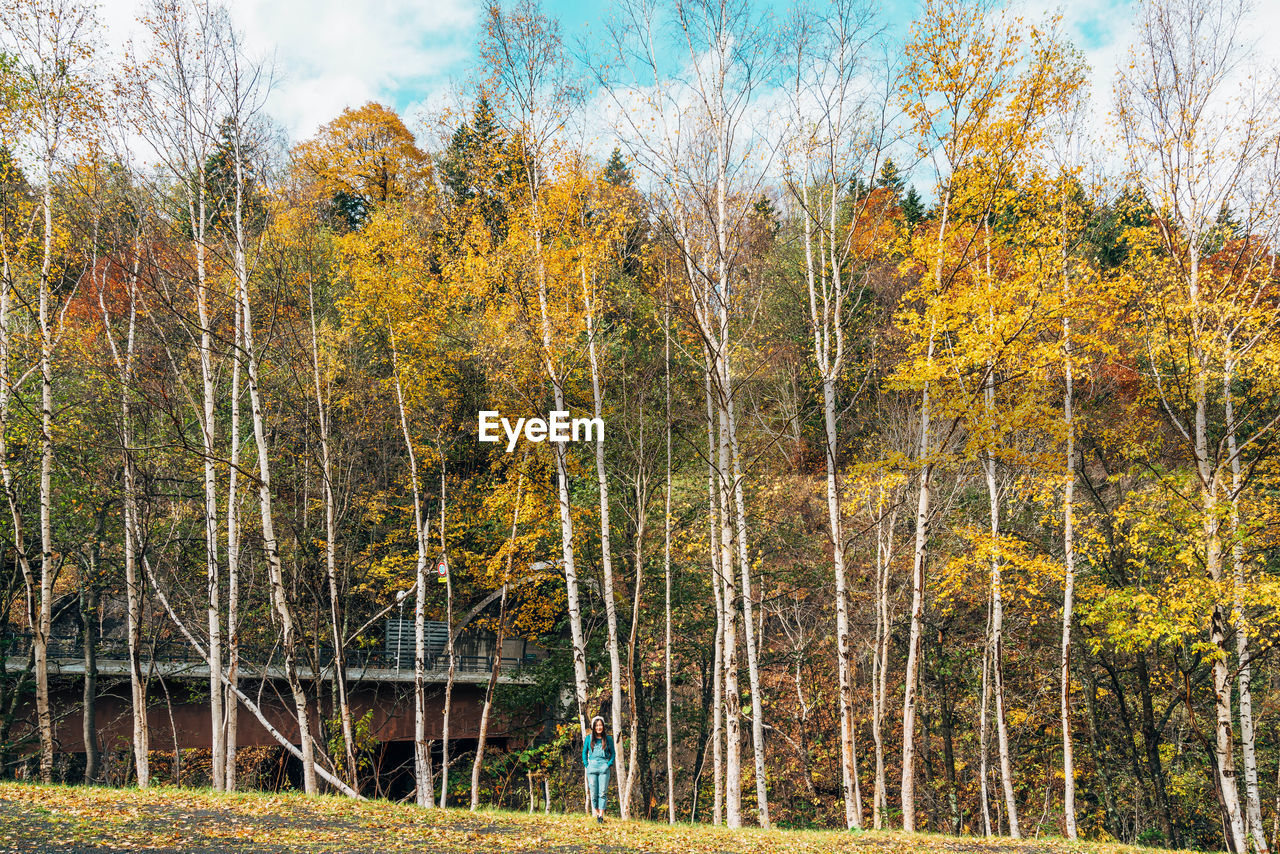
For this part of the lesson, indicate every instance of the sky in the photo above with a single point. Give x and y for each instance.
(415, 55)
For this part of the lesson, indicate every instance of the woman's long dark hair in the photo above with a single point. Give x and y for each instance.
(598, 736)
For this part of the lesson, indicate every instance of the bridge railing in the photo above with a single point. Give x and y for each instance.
(469, 657)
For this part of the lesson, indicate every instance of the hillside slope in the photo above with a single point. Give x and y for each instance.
(79, 820)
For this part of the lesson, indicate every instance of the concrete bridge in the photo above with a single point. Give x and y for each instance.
(380, 683)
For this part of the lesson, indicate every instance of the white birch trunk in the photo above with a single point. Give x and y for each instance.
(330, 542)
(628, 780)
(275, 569)
(827, 334)
(44, 602)
(1069, 560)
(231, 705)
(606, 548)
(207, 435)
(984, 751)
(562, 480)
(478, 763)
(749, 623)
(996, 638)
(666, 576)
(732, 706)
(422, 773)
(880, 669)
(918, 561)
(717, 593)
(133, 589)
(449, 650)
(1209, 487)
(1244, 676)
(497, 655)
(917, 615)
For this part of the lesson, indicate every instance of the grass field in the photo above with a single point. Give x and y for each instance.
(79, 820)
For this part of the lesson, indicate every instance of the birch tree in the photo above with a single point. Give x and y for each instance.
(123, 359)
(691, 131)
(506, 581)
(244, 86)
(978, 90)
(1194, 140)
(525, 53)
(50, 42)
(421, 528)
(837, 132)
(182, 98)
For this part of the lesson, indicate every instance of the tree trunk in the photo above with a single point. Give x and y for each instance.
(880, 669)
(1104, 775)
(89, 615)
(848, 757)
(911, 680)
(634, 685)
(997, 591)
(481, 740)
(1151, 738)
(449, 649)
(133, 624)
(562, 481)
(497, 655)
(666, 576)
(231, 705)
(199, 218)
(44, 602)
(1244, 676)
(606, 548)
(732, 707)
(275, 569)
(330, 545)
(748, 597)
(421, 749)
(717, 592)
(984, 750)
(133, 587)
(478, 763)
(996, 640)
(1209, 487)
(827, 335)
(1069, 560)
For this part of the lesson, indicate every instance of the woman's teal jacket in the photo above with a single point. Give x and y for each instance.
(605, 743)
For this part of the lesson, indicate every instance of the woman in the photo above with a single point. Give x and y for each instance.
(597, 758)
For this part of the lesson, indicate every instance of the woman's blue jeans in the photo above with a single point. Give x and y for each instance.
(598, 783)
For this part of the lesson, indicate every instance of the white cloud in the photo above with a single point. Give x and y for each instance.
(332, 54)
(1105, 31)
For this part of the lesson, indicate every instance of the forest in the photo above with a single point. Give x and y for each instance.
(939, 392)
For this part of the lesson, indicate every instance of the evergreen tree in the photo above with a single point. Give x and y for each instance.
(477, 170)
(220, 181)
(912, 207)
(891, 178)
(765, 212)
(1225, 229)
(454, 175)
(616, 170)
(1131, 210)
